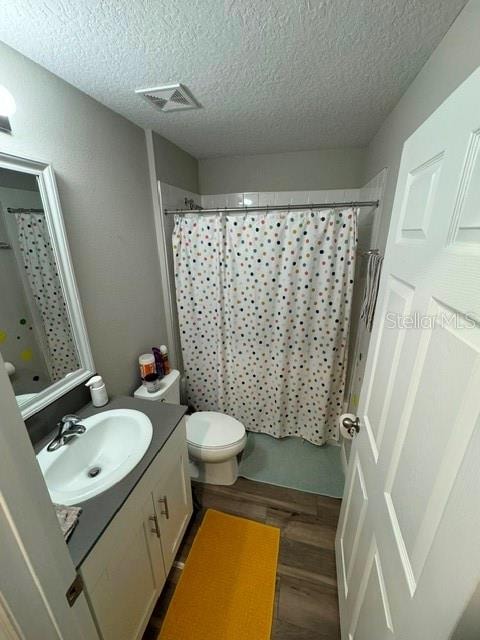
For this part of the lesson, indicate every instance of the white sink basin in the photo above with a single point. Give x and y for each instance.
(23, 398)
(113, 444)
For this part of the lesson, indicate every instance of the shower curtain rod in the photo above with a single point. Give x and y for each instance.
(11, 210)
(280, 207)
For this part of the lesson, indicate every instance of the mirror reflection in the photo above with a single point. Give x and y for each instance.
(36, 338)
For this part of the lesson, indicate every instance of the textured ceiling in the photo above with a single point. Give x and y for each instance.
(272, 75)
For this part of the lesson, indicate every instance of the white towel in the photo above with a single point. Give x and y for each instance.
(370, 292)
(67, 518)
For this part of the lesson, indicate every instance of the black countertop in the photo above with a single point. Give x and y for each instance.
(98, 512)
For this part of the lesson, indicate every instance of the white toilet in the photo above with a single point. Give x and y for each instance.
(214, 442)
(214, 439)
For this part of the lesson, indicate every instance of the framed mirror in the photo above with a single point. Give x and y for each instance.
(43, 338)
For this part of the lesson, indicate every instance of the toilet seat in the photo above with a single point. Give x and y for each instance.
(213, 430)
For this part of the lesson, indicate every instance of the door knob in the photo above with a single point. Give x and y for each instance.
(352, 426)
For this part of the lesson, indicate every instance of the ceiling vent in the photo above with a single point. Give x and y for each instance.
(170, 97)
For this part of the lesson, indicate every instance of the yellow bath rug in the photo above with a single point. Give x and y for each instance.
(227, 588)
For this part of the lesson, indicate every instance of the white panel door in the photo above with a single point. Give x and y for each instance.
(36, 569)
(408, 541)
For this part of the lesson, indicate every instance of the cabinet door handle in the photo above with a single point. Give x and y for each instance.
(156, 530)
(165, 512)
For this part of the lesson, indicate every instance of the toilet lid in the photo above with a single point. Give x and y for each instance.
(213, 429)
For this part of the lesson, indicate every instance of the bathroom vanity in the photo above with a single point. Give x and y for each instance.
(126, 540)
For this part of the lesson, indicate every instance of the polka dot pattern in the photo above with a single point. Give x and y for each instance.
(42, 275)
(264, 305)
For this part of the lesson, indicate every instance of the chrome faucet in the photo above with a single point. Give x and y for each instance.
(68, 427)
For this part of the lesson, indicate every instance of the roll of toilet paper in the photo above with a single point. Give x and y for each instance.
(10, 369)
(343, 429)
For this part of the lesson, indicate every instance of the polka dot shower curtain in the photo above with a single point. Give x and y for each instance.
(264, 307)
(46, 292)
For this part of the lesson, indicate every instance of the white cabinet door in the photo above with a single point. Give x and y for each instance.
(173, 495)
(132, 573)
(408, 551)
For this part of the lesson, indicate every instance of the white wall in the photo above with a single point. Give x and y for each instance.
(291, 171)
(455, 58)
(173, 165)
(100, 163)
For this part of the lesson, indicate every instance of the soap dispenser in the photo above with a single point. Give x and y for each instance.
(98, 391)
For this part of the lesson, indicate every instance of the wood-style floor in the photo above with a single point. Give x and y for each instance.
(306, 604)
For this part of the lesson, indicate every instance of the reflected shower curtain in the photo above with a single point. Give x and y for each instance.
(264, 307)
(42, 275)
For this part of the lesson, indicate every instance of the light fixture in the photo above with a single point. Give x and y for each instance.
(7, 109)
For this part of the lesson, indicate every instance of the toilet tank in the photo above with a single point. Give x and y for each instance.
(169, 390)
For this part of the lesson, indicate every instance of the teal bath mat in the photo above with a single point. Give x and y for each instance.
(293, 463)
